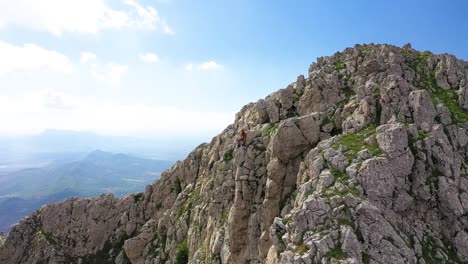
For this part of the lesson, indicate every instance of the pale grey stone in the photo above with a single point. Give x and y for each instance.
(422, 109)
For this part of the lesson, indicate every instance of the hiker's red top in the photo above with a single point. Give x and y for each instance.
(243, 135)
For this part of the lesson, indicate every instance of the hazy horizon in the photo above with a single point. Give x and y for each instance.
(22, 151)
(148, 137)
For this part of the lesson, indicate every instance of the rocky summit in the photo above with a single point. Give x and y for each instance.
(363, 161)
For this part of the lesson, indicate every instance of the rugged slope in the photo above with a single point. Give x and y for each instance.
(364, 161)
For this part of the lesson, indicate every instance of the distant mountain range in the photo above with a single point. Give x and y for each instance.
(63, 141)
(99, 172)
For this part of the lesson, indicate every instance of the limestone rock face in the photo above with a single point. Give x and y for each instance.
(361, 161)
(2, 240)
(423, 109)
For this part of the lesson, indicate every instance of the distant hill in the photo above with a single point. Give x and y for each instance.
(99, 172)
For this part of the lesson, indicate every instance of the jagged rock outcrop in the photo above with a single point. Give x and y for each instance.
(363, 161)
(2, 240)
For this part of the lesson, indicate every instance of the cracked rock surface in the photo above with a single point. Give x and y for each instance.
(362, 161)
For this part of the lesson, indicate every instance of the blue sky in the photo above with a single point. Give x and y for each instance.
(177, 68)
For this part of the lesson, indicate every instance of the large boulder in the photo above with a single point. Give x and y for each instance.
(289, 141)
(392, 138)
(135, 246)
(310, 127)
(422, 109)
(461, 244)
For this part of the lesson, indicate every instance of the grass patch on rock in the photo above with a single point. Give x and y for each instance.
(336, 253)
(189, 204)
(47, 237)
(449, 98)
(330, 192)
(429, 252)
(354, 142)
(345, 221)
(339, 175)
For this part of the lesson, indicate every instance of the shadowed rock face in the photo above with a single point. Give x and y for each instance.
(363, 161)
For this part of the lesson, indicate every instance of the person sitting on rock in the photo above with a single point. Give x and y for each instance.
(241, 138)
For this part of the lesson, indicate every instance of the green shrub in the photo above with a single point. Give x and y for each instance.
(348, 92)
(270, 132)
(302, 249)
(366, 258)
(339, 65)
(182, 254)
(423, 134)
(137, 196)
(228, 155)
(177, 186)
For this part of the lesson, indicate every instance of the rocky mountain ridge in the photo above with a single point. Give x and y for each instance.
(363, 161)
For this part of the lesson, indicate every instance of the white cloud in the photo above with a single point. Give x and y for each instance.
(149, 17)
(210, 65)
(189, 67)
(86, 57)
(31, 57)
(109, 72)
(80, 16)
(166, 28)
(60, 101)
(149, 57)
(205, 66)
